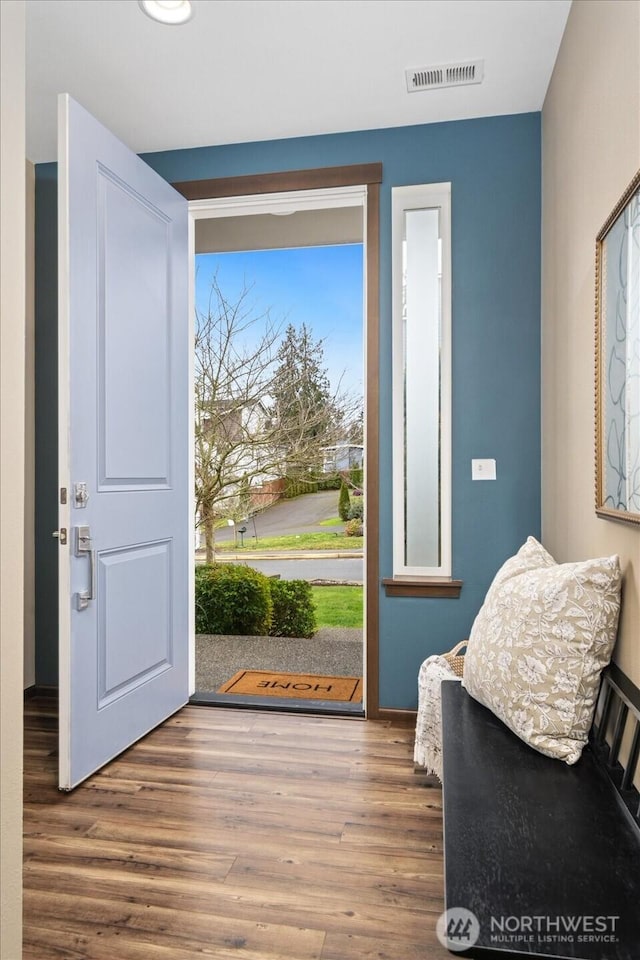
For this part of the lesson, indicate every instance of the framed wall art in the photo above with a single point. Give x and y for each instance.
(618, 360)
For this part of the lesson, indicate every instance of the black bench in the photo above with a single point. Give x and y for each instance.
(543, 854)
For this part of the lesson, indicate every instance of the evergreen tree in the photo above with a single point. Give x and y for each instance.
(344, 502)
(304, 407)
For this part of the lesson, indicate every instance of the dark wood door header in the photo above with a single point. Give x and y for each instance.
(281, 182)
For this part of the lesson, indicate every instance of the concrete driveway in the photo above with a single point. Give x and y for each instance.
(288, 517)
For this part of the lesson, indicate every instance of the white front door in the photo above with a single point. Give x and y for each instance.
(123, 446)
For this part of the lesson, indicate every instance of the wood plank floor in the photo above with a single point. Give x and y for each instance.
(235, 834)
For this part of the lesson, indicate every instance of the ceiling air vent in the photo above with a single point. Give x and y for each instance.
(451, 75)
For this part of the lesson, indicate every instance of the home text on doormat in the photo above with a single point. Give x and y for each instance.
(304, 686)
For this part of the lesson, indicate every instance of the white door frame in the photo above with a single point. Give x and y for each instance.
(292, 201)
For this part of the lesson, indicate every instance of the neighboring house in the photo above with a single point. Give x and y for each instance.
(235, 417)
(238, 433)
(342, 456)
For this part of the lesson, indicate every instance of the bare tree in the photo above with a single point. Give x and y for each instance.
(234, 354)
(355, 431)
(240, 440)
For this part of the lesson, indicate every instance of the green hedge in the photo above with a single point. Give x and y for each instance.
(296, 487)
(237, 600)
(356, 476)
(330, 482)
(294, 613)
(232, 599)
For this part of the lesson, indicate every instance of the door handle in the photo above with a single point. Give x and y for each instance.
(84, 548)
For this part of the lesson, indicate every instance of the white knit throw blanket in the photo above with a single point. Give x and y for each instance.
(427, 750)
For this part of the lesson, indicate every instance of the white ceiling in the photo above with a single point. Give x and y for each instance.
(244, 70)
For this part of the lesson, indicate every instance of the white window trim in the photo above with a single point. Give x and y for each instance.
(420, 197)
(280, 204)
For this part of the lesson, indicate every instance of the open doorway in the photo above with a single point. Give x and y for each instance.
(279, 305)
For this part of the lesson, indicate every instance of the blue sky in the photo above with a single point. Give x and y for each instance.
(319, 286)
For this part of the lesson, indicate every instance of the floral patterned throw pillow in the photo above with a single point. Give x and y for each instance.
(539, 643)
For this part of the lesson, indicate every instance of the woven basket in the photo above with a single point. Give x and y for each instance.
(455, 659)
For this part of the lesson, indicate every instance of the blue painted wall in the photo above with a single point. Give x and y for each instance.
(495, 170)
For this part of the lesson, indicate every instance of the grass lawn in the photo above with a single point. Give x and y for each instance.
(301, 541)
(338, 606)
(332, 522)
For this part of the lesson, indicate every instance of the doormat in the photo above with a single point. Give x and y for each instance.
(304, 686)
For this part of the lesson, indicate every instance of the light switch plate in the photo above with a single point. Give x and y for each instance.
(483, 470)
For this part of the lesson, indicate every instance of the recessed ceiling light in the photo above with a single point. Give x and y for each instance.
(172, 12)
